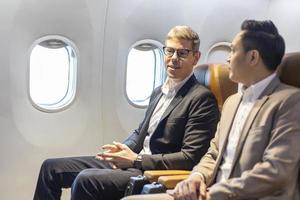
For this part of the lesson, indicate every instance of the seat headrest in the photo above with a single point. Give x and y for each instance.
(202, 75)
(289, 69)
(216, 78)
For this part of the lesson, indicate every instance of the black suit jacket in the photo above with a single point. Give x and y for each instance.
(183, 134)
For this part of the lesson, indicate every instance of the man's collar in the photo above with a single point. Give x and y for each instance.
(253, 92)
(171, 87)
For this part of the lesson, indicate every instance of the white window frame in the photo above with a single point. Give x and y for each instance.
(160, 46)
(225, 45)
(72, 85)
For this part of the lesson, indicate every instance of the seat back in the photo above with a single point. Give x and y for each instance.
(289, 69)
(216, 78)
(289, 73)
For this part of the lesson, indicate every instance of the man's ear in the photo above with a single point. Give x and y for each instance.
(254, 57)
(197, 56)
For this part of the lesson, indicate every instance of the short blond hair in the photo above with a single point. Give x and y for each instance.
(186, 33)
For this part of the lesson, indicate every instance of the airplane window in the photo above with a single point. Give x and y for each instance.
(52, 74)
(218, 53)
(145, 71)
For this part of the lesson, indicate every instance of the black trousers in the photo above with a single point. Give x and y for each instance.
(88, 178)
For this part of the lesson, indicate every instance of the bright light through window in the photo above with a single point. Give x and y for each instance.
(145, 71)
(52, 74)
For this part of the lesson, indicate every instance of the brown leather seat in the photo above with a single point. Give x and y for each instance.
(216, 78)
(289, 69)
(289, 73)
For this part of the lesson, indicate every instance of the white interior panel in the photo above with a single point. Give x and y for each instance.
(285, 14)
(28, 136)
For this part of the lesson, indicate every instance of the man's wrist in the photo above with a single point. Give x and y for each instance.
(137, 163)
(198, 174)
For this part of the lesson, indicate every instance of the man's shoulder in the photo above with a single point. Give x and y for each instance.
(199, 91)
(284, 91)
(289, 88)
(201, 88)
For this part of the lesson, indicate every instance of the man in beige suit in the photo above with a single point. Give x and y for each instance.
(255, 152)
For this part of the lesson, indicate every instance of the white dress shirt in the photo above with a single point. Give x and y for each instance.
(250, 96)
(169, 90)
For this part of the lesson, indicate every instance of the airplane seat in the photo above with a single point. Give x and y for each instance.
(201, 74)
(216, 78)
(289, 69)
(288, 72)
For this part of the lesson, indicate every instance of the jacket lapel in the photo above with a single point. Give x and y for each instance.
(225, 126)
(246, 128)
(179, 96)
(171, 107)
(250, 119)
(229, 113)
(151, 107)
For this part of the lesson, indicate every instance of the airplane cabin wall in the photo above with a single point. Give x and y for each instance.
(28, 135)
(103, 32)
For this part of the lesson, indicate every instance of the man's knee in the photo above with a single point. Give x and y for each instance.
(100, 183)
(84, 176)
(50, 168)
(88, 184)
(48, 163)
(86, 179)
(89, 178)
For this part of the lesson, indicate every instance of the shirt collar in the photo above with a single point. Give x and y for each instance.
(171, 87)
(254, 91)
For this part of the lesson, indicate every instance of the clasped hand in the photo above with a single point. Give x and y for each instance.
(118, 154)
(192, 188)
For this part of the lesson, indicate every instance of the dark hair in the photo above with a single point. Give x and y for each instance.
(263, 36)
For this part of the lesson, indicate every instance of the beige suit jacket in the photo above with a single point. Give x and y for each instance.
(266, 162)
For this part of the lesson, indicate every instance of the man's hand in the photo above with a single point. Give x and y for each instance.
(192, 188)
(111, 148)
(120, 155)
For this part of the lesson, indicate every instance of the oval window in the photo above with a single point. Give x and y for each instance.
(52, 73)
(145, 71)
(218, 53)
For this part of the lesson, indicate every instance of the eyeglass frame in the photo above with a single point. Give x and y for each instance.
(176, 50)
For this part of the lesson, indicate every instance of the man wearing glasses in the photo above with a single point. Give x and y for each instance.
(179, 123)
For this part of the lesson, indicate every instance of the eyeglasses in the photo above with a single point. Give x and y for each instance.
(182, 53)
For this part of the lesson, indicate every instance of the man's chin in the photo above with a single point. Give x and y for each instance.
(172, 75)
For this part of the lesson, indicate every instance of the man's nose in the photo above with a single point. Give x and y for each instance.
(175, 55)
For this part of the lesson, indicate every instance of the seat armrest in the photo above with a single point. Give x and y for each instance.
(170, 181)
(153, 175)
